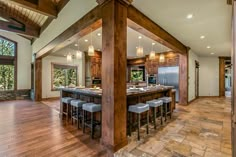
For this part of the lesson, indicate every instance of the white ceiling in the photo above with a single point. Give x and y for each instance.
(211, 18)
(132, 38)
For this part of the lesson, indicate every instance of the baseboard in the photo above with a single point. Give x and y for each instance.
(192, 100)
(51, 98)
(209, 97)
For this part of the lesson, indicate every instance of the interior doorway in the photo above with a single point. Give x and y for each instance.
(228, 78)
(196, 79)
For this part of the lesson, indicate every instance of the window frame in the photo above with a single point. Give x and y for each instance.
(65, 66)
(14, 60)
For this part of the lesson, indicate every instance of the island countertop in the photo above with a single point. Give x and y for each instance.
(129, 92)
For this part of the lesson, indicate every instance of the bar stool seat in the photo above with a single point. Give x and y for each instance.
(91, 107)
(76, 111)
(154, 104)
(77, 103)
(165, 99)
(66, 100)
(91, 123)
(167, 106)
(138, 109)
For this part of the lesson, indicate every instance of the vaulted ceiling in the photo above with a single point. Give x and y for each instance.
(28, 18)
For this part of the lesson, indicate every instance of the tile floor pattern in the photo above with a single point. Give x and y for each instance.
(202, 129)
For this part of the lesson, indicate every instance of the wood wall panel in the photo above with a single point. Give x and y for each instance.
(114, 45)
(221, 76)
(38, 79)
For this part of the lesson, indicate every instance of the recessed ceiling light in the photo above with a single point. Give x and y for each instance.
(153, 43)
(99, 49)
(208, 47)
(136, 47)
(76, 45)
(99, 34)
(140, 37)
(212, 53)
(189, 16)
(202, 37)
(86, 40)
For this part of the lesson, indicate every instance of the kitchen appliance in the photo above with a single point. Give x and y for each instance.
(152, 79)
(169, 76)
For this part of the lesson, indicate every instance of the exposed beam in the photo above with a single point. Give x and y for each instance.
(78, 29)
(45, 7)
(141, 23)
(22, 29)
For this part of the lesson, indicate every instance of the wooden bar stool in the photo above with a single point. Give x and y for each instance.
(138, 109)
(91, 123)
(154, 104)
(167, 106)
(76, 111)
(66, 101)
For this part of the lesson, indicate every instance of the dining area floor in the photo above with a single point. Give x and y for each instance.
(33, 129)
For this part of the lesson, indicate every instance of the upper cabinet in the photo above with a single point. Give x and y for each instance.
(96, 65)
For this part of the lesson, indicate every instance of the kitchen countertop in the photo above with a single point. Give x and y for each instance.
(130, 92)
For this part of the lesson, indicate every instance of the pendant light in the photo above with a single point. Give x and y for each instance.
(152, 54)
(139, 52)
(162, 56)
(91, 48)
(69, 57)
(78, 53)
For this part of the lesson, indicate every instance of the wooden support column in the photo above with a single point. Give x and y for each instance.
(38, 79)
(114, 55)
(221, 76)
(183, 78)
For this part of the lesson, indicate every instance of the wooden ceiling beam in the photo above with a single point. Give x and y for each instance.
(45, 7)
(22, 29)
(78, 29)
(142, 24)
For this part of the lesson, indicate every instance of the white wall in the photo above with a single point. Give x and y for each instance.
(46, 74)
(191, 78)
(72, 12)
(209, 76)
(24, 52)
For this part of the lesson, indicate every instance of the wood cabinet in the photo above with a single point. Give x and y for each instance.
(96, 67)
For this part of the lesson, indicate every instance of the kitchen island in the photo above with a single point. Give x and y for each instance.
(134, 95)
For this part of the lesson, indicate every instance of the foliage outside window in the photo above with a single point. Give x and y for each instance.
(63, 76)
(7, 64)
(137, 75)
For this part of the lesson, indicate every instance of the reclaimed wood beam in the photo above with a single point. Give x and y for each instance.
(78, 29)
(141, 23)
(22, 29)
(45, 7)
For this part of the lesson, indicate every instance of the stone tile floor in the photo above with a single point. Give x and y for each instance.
(202, 129)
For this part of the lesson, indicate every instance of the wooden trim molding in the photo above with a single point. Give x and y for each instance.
(221, 76)
(141, 23)
(82, 27)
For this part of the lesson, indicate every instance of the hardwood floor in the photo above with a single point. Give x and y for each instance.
(29, 129)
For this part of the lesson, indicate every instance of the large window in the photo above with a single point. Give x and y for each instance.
(8, 64)
(63, 75)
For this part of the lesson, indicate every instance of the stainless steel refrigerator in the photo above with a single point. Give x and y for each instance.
(169, 76)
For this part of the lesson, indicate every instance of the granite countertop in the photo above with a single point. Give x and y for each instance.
(130, 91)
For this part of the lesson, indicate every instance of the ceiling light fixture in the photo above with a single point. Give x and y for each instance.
(69, 57)
(91, 48)
(208, 47)
(152, 54)
(99, 34)
(212, 53)
(139, 52)
(78, 53)
(162, 56)
(189, 16)
(76, 45)
(202, 37)
(86, 40)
